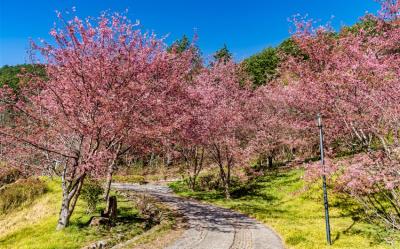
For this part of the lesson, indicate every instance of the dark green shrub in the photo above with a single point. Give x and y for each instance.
(23, 191)
(90, 193)
(8, 176)
(209, 181)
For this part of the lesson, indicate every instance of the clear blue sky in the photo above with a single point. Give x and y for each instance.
(246, 26)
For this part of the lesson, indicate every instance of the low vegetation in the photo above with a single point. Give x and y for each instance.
(295, 210)
(8, 176)
(23, 191)
(129, 179)
(91, 191)
(33, 226)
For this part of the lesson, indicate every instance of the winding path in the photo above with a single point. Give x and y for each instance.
(211, 227)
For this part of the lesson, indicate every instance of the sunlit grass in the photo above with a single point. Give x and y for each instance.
(34, 226)
(282, 201)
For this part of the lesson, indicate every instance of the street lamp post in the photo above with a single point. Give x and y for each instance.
(321, 145)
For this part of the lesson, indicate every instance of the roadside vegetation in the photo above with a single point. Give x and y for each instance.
(21, 192)
(31, 225)
(294, 209)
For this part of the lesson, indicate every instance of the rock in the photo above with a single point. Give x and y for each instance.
(97, 221)
(97, 245)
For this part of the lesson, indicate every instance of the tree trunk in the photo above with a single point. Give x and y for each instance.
(226, 189)
(270, 165)
(110, 175)
(168, 159)
(63, 219)
(225, 178)
(108, 183)
(71, 192)
(193, 182)
(151, 159)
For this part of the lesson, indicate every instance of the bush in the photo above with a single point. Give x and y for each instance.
(90, 193)
(149, 210)
(23, 191)
(8, 176)
(209, 181)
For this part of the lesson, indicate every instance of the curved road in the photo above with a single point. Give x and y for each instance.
(211, 227)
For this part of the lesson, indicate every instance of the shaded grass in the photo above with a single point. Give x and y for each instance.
(34, 226)
(283, 201)
(159, 235)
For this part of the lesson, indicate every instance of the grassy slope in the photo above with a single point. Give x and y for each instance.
(298, 216)
(34, 226)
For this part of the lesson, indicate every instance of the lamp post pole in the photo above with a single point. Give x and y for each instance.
(321, 145)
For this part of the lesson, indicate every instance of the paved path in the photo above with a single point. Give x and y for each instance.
(211, 227)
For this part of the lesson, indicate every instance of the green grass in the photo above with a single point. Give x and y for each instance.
(34, 226)
(282, 201)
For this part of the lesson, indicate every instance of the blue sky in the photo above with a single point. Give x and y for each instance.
(246, 26)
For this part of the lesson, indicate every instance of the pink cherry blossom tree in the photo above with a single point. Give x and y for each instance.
(189, 141)
(269, 125)
(352, 78)
(222, 98)
(110, 88)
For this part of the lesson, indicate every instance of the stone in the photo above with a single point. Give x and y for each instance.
(98, 221)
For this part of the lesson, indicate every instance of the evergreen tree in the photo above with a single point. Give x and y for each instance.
(223, 55)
